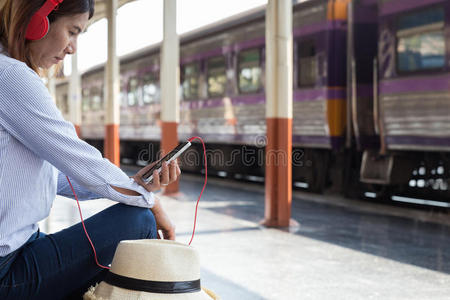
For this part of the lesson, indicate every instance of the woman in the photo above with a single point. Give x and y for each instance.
(38, 148)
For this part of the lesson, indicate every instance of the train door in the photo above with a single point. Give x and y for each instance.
(361, 53)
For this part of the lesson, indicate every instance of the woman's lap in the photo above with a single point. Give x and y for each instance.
(58, 265)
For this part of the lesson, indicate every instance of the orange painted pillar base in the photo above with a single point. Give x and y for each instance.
(169, 141)
(112, 144)
(78, 130)
(278, 182)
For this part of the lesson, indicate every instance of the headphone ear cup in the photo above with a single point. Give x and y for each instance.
(37, 28)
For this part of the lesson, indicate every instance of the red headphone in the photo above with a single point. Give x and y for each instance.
(39, 24)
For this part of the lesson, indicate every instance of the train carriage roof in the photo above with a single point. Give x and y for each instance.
(257, 13)
(213, 28)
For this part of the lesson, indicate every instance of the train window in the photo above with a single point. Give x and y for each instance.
(249, 71)
(123, 98)
(96, 98)
(86, 103)
(217, 78)
(150, 88)
(96, 102)
(422, 18)
(133, 92)
(123, 92)
(421, 41)
(189, 75)
(307, 63)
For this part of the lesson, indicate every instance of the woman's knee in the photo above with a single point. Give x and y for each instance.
(141, 219)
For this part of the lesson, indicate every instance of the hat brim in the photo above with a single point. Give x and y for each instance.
(105, 291)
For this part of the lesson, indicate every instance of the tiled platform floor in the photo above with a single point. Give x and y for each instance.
(341, 250)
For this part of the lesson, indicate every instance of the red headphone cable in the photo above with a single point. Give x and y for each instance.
(84, 227)
(204, 184)
(196, 206)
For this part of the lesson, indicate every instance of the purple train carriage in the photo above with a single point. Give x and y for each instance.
(411, 102)
(371, 96)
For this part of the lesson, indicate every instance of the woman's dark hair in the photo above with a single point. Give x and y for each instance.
(15, 16)
(72, 7)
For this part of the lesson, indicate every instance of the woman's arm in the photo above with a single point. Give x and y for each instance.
(65, 190)
(28, 113)
(163, 222)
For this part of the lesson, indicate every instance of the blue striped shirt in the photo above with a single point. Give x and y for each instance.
(37, 149)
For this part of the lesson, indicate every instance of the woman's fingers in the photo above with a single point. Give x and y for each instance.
(169, 234)
(155, 184)
(178, 170)
(173, 171)
(169, 173)
(165, 177)
(141, 182)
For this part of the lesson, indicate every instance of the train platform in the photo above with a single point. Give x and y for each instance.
(342, 249)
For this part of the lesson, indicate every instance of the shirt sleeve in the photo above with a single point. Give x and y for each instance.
(29, 114)
(81, 192)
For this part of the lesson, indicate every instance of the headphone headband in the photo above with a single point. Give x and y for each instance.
(48, 7)
(39, 24)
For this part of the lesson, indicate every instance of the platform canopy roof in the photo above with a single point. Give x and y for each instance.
(100, 9)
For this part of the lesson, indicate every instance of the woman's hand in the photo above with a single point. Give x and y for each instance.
(169, 173)
(163, 222)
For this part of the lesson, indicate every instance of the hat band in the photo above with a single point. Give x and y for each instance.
(159, 287)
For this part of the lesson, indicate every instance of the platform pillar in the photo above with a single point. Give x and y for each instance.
(279, 82)
(170, 84)
(51, 83)
(75, 95)
(112, 90)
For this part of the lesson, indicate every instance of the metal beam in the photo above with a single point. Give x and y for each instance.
(100, 9)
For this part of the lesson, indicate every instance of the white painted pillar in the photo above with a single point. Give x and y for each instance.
(279, 83)
(75, 95)
(170, 83)
(112, 90)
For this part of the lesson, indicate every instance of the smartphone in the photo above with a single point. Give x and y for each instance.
(148, 176)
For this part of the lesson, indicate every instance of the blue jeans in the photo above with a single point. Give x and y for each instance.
(62, 265)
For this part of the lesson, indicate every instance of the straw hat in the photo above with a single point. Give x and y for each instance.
(150, 270)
